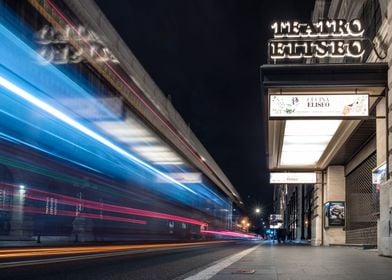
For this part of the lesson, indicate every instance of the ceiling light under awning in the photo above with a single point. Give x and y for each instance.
(305, 141)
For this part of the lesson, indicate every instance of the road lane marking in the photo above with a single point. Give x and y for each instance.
(211, 271)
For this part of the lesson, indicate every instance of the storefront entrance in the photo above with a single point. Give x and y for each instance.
(343, 150)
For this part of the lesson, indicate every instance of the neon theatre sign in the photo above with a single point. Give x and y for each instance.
(325, 38)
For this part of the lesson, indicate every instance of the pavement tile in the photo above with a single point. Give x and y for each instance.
(245, 277)
(311, 277)
(285, 262)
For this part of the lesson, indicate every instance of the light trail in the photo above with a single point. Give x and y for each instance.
(157, 114)
(228, 233)
(85, 130)
(75, 250)
(39, 195)
(30, 94)
(65, 213)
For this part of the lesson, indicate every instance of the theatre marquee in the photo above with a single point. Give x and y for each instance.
(318, 106)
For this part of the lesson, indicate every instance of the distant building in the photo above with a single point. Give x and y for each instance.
(294, 203)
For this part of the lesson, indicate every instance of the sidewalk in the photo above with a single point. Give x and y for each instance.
(291, 262)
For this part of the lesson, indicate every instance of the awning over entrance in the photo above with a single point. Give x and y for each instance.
(312, 143)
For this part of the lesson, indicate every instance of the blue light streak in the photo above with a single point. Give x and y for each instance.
(66, 119)
(45, 85)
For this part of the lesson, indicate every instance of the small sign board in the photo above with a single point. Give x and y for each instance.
(292, 178)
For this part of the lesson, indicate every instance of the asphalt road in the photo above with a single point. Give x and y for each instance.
(171, 263)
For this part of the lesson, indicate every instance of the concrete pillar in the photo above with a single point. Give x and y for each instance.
(381, 134)
(384, 225)
(384, 232)
(335, 190)
(318, 211)
(381, 137)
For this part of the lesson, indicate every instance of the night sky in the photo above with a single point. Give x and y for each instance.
(205, 55)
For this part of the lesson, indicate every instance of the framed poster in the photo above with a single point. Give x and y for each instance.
(302, 106)
(334, 213)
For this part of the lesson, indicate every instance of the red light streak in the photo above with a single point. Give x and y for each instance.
(39, 195)
(228, 233)
(36, 210)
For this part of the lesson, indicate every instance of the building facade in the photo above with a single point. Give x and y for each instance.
(353, 166)
(367, 215)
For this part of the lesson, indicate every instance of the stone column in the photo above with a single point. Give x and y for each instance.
(317, 211)
(381, 133)
(335, 190)
(384, 231)
(382, 227)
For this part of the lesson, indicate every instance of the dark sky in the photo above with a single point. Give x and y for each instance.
(206, 55)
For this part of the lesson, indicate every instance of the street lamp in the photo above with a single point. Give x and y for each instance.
(21, 188)
(257, 210)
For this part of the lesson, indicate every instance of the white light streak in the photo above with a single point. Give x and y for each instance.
(66, 119)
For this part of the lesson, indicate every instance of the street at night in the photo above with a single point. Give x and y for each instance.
(167, 262)
(214, 261)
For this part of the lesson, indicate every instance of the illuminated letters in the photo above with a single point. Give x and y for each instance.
(325, 38)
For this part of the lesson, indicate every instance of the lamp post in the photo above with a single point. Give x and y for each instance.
(256, 214)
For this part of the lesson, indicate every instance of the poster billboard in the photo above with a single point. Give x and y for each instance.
(379, 174)
(320, 106)
(334, 213)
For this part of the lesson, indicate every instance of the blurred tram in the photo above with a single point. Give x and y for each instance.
(77, 163)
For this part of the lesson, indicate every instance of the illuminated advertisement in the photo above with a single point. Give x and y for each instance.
(325, 38)
(334, 213)
(379, 174)
(303, 106)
